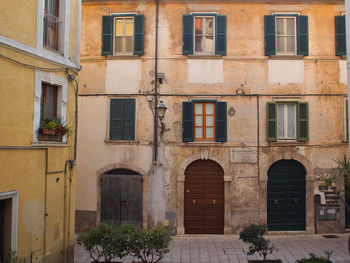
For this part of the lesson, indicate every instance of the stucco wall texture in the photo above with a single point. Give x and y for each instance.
(244, 78)
(35, 173)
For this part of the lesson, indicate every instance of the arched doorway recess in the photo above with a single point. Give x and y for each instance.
(286, 196)
(204, 198)
(121, 197)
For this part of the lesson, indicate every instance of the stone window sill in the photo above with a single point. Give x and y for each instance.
(286, 57)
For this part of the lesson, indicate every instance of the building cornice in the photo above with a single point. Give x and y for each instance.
(39, 54)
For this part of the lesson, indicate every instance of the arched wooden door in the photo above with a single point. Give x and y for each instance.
(204, 198)
(286, 195)
(121, 197)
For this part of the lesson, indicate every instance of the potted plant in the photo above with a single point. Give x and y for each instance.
(48, 127)
(104, 243)
(254, 235)
(148, 245)
(61, 128)
(55, 126)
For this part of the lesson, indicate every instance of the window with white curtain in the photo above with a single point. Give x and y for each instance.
(286, 40)
(287, 119)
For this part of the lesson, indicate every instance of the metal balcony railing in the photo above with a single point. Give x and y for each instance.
(51, 32)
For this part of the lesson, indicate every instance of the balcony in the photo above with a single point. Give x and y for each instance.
(51, 32)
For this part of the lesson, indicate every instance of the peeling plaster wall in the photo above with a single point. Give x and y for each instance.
(236, 78)
(285, 72)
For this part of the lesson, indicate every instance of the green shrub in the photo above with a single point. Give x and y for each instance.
(254, 235)
(105, 241)
(150, 245)
(315, 259)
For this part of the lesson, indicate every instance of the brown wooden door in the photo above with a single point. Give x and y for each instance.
(204, 198)
(121, 198)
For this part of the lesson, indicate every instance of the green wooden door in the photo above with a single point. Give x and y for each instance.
(286, 194)
(121, 198)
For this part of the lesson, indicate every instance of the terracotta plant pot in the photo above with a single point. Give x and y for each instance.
(61, 130)
(48, 131)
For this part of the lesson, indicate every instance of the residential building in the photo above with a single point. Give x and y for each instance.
(39, 59)
(256, 110)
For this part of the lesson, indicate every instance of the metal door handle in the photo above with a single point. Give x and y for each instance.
(214, 202)
(194, 202)
(275, 202)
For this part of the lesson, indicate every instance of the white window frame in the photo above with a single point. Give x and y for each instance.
(62, 97)
(114, 36)
(194, 34)
(63, 31)
(286, 121)
(285, 51)
(14, 216)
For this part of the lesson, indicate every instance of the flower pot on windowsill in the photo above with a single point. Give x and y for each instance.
(48, 131)
(61, 130)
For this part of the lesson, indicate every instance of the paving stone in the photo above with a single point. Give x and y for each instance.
(228, 249)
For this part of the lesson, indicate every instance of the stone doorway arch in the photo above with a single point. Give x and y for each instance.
(227, 190)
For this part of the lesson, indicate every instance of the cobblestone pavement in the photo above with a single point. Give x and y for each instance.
(229, 249)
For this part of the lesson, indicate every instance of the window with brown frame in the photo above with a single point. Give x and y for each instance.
(51, 24)
(204, 121)
(48, 101)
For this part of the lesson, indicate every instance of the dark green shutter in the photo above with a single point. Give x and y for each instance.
(303, 35)
(116, 120)
(187, 34)
(122, 119)
(107, 35)
(129, 120)
(139, 32)
(303, 121)
(340, 40)
(347, 121)
(221, 122)
(271, 121)
(187, 121)
(220, 35)
(270, 36)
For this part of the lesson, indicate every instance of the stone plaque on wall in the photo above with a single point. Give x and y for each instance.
(243, 155)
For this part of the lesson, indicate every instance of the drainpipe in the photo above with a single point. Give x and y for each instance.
(155, 143)
(347, 26)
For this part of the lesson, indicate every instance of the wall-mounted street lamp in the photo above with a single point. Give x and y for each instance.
(161, 108)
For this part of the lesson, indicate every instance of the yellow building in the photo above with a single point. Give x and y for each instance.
(39, 59)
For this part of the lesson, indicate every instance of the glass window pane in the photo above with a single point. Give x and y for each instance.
(118, 44)
(119, 27)
(209, 108)
(198, 108)
(50, 111)
(199, 121)
(279, 26)
(128, 44)
(209, 132)
(199, 45)
(290, 26)
(129, 27)
(209, 120)
(280, 124)
(291, 44)
(209, 44)
(209, 26)
(291, 120)
(199, 133)
(199, 26)
(280, 44)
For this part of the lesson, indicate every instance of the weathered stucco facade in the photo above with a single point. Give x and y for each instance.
(37, 188)
(244, 78)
